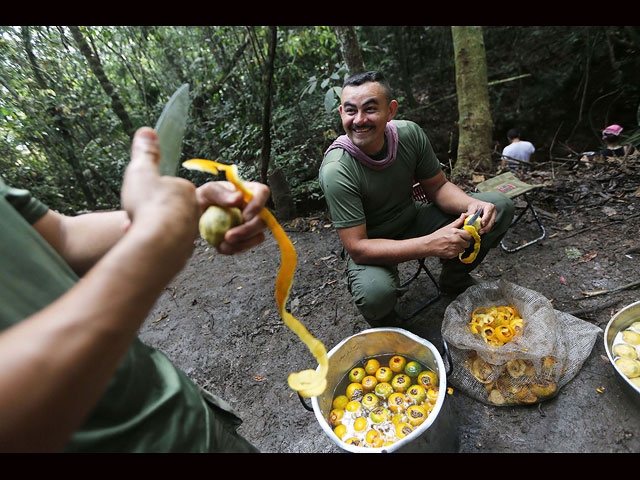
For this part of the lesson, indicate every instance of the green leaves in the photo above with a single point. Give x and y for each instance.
(331, 99)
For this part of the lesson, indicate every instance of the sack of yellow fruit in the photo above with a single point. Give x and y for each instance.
(509, 346)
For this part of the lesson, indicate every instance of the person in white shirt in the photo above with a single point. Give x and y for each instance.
(517, 149)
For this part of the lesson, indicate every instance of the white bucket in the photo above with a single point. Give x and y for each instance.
(436, 435)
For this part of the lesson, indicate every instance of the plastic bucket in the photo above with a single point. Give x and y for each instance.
(437, 434)
(619, 322)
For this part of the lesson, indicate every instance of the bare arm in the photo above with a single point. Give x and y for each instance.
(453, 200)
(447, 242)
(57, 362)
(84, 239)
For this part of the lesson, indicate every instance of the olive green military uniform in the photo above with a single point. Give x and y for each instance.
(149, 405)
(383, 200)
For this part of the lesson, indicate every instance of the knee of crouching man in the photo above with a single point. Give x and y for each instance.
(505, 210)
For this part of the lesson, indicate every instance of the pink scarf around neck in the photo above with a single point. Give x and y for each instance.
(390, 131)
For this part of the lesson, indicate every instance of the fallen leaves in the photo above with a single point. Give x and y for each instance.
(587, 257)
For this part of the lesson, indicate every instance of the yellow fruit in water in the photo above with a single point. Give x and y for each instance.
(416, 415)
(403, 429)
(370, 401)
(340, 431)
(215, 222)
(432, 394)
(417, 394)
(427, 378)
(340, 401)
(631, 337)
(625, 350)
(369, 383)
(357, 374)
(335, 417)
(354, 406)
(397, 363)
(371, 366)
(384, 374)
(401, 382)
(383, 390)
(354, 391)
(397, 402)
(374, 438)
(398, 418)
(379, 415)
(630, 368)
(360, 424)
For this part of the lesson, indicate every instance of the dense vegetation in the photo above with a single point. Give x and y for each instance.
(73, 96)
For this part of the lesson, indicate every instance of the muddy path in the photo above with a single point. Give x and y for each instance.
(219, 323)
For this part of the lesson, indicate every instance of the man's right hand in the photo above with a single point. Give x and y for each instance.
(451, 240)
(166, 207)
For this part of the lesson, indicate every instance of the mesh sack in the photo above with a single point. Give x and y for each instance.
(530, 368)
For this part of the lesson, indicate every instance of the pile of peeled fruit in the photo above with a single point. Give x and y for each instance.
(626, 352)
(382, 400)
(517, 381)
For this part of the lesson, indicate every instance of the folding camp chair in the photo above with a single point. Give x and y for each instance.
(509, 185)
(419, 196)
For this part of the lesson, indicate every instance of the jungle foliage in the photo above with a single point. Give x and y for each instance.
(73, 96)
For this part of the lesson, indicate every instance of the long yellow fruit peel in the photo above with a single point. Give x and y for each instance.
(308, 383)
(473, 230)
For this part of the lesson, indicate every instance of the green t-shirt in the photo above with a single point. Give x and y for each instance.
(356, 194)
(149, 405)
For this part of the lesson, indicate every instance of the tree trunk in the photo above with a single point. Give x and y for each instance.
(98, 71)
(350, 49)
(265, 151)
(281, 195)
(474, 114)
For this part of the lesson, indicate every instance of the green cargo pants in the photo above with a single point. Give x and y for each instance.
(375, 289)
(223, 437)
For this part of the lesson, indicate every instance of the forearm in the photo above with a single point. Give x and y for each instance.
(57, 363)
(451, 199)
(381, 251)
(84, 239)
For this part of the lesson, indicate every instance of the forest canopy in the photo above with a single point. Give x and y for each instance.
(266, 97)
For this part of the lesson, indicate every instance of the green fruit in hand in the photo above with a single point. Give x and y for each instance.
(215, 222)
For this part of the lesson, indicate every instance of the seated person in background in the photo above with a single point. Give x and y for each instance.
(611, 136)
(517, 149)
(367, 177)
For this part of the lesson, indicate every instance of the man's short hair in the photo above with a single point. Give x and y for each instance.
(372, 76)
(513, 133)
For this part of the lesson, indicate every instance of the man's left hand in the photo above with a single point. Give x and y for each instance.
(488, 214)
(251, 232)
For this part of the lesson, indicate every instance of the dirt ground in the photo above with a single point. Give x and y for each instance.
(219, 323)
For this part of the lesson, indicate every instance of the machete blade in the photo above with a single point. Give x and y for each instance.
(170, 129)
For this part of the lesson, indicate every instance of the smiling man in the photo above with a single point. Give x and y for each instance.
(367, 177)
